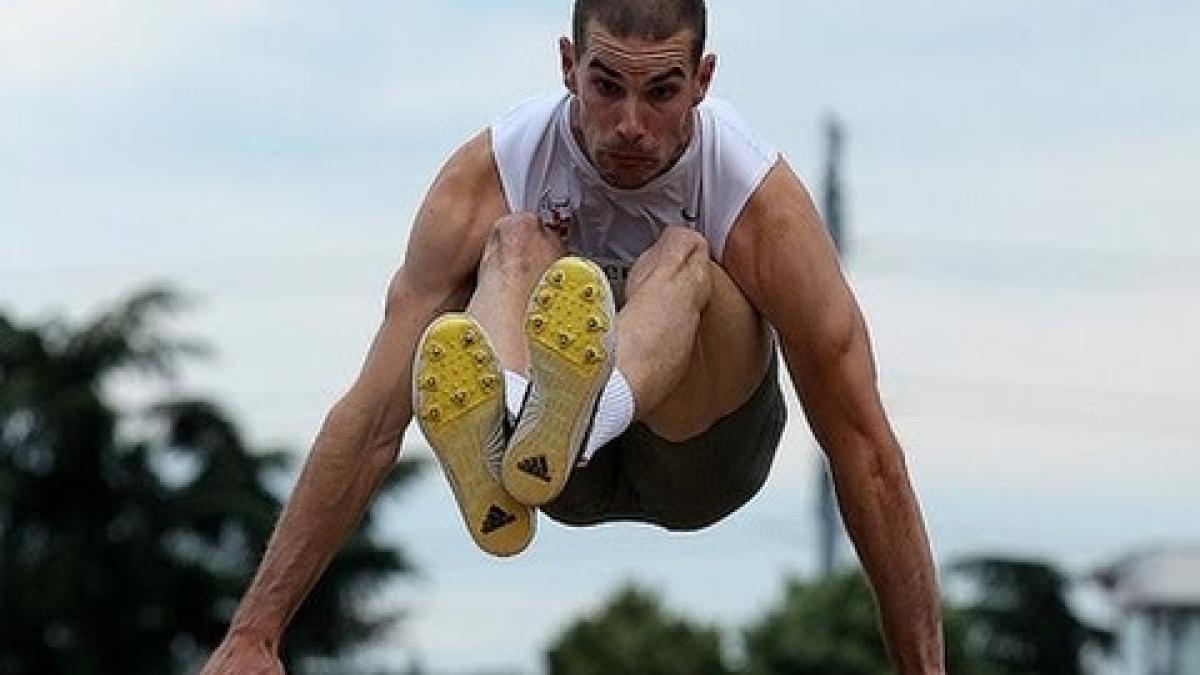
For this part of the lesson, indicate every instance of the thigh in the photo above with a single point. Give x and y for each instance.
(729, 357)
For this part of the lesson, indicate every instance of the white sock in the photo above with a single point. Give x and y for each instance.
(515, 385)
(614, 414)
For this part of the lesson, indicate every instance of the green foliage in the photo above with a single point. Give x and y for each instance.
(825, 627)
(1021, 621)
(126, 540)
(633, 633)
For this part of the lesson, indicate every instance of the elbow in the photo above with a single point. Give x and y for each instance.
(858, 440)
(834, 370)
(886, 466)
(872, 457)
(365, 430)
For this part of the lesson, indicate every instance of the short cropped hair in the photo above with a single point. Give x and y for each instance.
(652, 20)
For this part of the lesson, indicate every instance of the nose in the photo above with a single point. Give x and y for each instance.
(630, 127)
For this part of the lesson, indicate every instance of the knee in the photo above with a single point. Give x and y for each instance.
(680, 250)
(682, 241)
(519, 242)
(679, 255)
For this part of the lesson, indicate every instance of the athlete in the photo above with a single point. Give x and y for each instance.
(586, 323)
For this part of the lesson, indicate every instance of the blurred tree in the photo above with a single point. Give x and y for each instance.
(633, 633)
(830, 627)
(125, 540)
(1020, 620)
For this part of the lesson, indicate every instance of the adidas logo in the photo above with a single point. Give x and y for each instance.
(536, 467)
(497, 518)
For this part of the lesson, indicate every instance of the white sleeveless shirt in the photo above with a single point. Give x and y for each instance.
(543, 170)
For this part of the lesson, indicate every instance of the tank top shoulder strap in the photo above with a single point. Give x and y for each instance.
(522, 139)
(734, 161)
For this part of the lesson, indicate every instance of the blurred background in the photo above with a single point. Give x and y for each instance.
(202, 203)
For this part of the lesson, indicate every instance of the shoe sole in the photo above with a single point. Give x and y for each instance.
(458, 397)
(570, 327)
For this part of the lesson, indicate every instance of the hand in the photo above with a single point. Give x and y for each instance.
(243, 655)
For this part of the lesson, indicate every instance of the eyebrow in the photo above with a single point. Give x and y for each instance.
(674, 72)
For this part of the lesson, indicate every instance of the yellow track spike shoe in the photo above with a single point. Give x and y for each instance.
(458, 398)
(570, 327)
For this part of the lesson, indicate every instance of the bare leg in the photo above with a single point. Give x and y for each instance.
(515, 256)
(690, 344)
(459, 407)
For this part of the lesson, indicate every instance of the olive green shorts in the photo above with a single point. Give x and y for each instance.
(642, 477)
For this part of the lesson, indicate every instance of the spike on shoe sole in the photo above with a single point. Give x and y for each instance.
(570, 330)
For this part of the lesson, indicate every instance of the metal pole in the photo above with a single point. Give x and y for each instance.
(829, 524)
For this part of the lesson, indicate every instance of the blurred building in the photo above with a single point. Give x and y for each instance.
(1158, 594)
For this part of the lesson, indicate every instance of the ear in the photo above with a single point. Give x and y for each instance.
(704, 77)
(566, 55)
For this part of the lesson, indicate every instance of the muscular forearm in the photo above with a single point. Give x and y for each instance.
(884, 521)
(350, 459)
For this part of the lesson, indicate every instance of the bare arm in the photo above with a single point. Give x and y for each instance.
(360, 438)
(782, 257)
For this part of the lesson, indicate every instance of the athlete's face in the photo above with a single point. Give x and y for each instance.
(634, 116)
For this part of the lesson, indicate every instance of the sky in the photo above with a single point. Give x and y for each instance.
(1021, 196)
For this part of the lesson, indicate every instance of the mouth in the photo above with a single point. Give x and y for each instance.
(629, 158)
